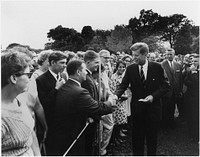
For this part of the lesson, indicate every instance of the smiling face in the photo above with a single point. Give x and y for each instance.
(139, 58)
(121, 68)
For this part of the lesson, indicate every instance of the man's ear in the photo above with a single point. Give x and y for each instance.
(78, 72)
(52, 62)
(13, 79)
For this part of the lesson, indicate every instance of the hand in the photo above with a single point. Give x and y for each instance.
(123, 98)
(59, 83)
(90, 120)
(147, 99)
(45, 136)
(115, 97)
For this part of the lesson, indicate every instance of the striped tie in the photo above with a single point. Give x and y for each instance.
(142, 75)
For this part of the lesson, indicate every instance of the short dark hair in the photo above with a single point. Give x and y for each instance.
(73, 66)
(56, 56)
(143, 47)
(12, 63)
(90, 55)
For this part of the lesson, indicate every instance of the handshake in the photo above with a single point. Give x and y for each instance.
(122, 98)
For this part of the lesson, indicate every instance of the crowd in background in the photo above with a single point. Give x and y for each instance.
(38, 83)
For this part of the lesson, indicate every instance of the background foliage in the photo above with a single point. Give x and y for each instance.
(150, 27)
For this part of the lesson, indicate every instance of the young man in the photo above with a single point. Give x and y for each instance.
(48, 85)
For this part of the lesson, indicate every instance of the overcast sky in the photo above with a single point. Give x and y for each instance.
(28, 22)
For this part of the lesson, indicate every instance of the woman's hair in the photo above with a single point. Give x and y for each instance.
(117, 65)
(13, 63)
(42, 57)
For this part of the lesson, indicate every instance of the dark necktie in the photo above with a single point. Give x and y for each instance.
(142, 75)
(171, 66)
(57, 77)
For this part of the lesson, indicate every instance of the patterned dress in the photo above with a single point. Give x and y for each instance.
(16, 131)
(120, 114)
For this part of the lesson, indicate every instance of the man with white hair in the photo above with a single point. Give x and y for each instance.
(107, 120)
(173, 71)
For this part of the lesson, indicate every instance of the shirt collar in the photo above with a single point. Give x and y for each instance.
(145, 65)
(54, 74)
(170, 62)
(75, 81)
(89, 71)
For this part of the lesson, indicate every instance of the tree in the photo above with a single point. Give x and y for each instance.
(154, 43)
(120, 39)
(174, 24)
(146, 25)
(195, 45)
(65, 39)
(183, 40)
(87, 33)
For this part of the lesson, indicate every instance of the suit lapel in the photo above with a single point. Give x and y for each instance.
(149, 72)
(51, 79)
(94, 86)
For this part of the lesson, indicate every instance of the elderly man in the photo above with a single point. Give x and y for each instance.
(107, 120)
(173, 71)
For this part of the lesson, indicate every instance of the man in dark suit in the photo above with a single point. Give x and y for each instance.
(148, 84)
(48, 85)
(73, 104)
(173, 71)
(91, 59)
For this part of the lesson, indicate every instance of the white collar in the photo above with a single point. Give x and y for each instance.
(54, 74)
(75, 81)
(89, 71)
(170, 63)
(145, 65)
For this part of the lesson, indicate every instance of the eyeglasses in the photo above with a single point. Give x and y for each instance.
(27, 74)
(127, 61)
(105, 57)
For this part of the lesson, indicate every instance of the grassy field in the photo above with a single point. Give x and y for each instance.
(174, 142)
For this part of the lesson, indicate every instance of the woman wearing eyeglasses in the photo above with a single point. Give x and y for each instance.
(17, 134)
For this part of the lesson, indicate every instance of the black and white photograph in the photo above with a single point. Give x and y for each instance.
(100, 78)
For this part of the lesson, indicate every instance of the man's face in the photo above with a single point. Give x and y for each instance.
(139, 58)
(105, 58)
(170, 55)
(83, 72)
(93, 65)
(59, 66)
(195, 62)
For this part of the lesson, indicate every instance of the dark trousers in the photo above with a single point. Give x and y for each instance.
(90, 139)
(144, 129)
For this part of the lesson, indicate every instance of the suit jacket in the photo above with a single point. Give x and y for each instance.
(73, 103)
(47, 94)
(156, 84)
(175, 78)
(90, 85)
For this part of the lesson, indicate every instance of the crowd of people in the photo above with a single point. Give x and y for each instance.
(84, 103)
